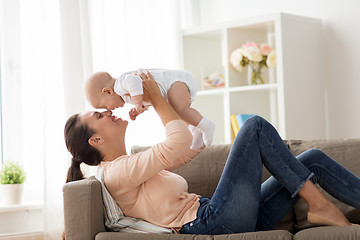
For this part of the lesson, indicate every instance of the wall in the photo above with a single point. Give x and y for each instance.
(26, 219)
(341, 34)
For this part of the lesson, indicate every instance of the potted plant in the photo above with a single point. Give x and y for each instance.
(12, 177)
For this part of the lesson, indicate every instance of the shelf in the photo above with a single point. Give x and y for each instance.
(254, 88)
(211, 91)
(257, 88)
(292, 91)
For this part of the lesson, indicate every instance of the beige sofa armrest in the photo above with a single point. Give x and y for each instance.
(83, 209)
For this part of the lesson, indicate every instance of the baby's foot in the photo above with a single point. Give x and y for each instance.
(207, 128)
(197, 142)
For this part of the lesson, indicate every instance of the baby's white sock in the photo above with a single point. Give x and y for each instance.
(197, 141)
(207, 128)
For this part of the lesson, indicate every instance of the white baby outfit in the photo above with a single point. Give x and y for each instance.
(129, 83)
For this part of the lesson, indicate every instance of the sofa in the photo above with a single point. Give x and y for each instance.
(84, 216)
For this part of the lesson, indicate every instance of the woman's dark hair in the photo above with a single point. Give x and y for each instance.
(77, 135)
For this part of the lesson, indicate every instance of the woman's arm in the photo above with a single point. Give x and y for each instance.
(153, 95)
(188, 156)
(138, 168)
(166, 113)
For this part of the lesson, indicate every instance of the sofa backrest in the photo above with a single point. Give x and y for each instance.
(204, 171)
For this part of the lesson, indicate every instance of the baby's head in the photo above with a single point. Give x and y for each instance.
(99, 90)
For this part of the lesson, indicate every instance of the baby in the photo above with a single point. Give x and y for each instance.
(178, 87)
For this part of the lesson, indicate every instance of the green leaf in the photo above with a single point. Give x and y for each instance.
(12, 173)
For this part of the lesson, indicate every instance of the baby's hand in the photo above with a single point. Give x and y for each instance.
(140, 108)
(133, 114)
(138, 101)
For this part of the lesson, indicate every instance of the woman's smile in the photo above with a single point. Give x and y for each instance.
(115, 118)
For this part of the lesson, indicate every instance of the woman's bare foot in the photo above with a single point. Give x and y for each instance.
(327, 214)
(321, 210)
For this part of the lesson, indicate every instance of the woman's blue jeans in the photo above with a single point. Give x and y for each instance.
(242, 204)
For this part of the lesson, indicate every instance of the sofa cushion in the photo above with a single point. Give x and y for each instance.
(265, 235)
(344, 151)
(144, 236)
(268, 235)
(329, 233)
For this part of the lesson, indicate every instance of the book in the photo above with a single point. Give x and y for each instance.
(234, 127)
(237, 120)
(241, 118)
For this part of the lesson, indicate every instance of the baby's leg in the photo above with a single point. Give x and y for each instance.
(179, 99)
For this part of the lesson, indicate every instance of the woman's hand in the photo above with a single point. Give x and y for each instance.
(151, 89)
(152, 94)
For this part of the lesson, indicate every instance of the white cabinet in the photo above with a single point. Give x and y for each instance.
(292, 98)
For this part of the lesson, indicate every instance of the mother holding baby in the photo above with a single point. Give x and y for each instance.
(144, 186)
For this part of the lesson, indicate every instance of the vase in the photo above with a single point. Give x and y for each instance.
(254, 73)
(11, 193)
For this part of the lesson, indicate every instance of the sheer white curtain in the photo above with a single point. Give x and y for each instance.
(134, 34)
(22, 87)
(113, 36)
(63, 97)
(33, 101)
(50, 48)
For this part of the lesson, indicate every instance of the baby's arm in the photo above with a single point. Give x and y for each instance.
(139, 107)
(138, 101)
(132, 83)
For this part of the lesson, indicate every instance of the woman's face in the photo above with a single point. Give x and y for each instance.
(109, 127)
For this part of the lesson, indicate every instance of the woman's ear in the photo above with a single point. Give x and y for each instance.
(96, 140)
(108, 90)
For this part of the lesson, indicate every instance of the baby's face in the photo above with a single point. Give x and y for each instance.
(106, 101)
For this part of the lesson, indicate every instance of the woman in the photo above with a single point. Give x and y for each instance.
(144, 189)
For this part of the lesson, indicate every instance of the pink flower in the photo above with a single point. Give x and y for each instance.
(265, 49)
(250, 44)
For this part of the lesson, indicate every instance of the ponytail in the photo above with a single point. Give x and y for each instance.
(74, 173)
(77, 135)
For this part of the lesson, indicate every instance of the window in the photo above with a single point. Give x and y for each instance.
(38, 94)
(22, 136)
